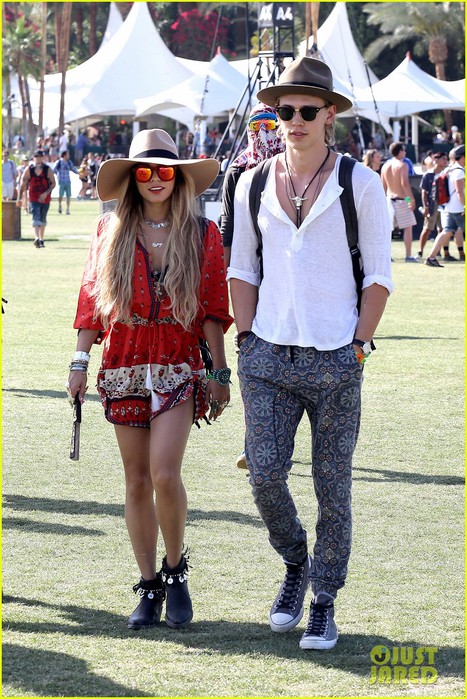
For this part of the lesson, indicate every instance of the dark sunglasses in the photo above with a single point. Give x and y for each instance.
(144, 173)
(307, 113)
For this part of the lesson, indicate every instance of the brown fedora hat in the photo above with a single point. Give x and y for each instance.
(305, 76)
(153, 146)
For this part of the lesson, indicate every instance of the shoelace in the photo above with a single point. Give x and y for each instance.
(290, 586)
(319, 618)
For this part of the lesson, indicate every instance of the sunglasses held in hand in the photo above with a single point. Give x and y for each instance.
(307, 113)
(144, 173)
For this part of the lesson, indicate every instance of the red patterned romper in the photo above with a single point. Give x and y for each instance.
(153, 364)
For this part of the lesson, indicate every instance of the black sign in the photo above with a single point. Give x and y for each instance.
(275, 15)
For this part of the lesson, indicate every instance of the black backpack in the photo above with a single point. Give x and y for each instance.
(348, 209)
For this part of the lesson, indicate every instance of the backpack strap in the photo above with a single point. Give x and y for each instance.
(257, 186)
(346, 167)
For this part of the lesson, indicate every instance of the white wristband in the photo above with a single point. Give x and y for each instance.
(81, 356)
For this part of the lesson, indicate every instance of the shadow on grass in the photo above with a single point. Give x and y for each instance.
(30, 525)
(46, 673)
(415, 478)
(352, 653)
(29, 392)
(69, 507)
(80, 507)
(385, 476)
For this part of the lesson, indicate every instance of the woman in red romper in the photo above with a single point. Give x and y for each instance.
(153, 286)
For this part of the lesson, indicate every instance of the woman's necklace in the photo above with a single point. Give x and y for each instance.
(298, 201)
(156, 227)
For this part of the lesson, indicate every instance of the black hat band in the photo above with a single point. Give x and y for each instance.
(157, 153)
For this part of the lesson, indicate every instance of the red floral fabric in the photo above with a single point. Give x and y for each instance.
(153, 364)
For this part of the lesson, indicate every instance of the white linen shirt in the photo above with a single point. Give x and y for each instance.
(307, 296)
(454, 205)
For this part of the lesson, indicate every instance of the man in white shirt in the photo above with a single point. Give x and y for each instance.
(302, 341)
(453, 215)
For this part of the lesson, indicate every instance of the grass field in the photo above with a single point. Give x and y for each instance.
(67, 564)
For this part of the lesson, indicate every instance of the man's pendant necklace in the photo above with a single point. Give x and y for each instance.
(298, 200)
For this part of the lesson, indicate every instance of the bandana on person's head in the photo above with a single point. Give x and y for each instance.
(262, 144)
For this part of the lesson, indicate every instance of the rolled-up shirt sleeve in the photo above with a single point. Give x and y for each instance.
(374, 234)
(244, 261)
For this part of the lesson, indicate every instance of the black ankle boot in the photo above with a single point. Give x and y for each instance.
(149, 610)
(179, 611)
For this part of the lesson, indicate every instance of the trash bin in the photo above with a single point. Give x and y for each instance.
(11, 221)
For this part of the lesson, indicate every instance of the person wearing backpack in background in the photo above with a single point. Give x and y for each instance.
(429, 196)
(40, 181)
(453, 214)
(302, 340)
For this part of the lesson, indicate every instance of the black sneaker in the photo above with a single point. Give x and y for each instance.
(450, 258)
(41, 244)
(432, 262)
(149, 610)
(287, 609)
(179, 610)
(37, 243)
(321, 632)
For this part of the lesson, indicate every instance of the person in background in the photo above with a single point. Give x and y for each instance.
(302, 338)
(372, 159)
(9, 174)
(62, 169)
(264, 141)
(154, 284)
(21, 169)
(453, 213)
(401, 202)
(39, 179)
(431, 213)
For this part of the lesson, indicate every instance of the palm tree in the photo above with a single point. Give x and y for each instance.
(433, 27)
(21, 56)
(62, 38)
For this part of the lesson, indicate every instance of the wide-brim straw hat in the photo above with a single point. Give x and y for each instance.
(156, 147)
(305, 76)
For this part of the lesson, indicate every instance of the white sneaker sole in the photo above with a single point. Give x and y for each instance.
(317, 644)
(282, 628)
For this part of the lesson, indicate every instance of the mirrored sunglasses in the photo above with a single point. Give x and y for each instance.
(144, 173)
(308, 113)
(269, 124)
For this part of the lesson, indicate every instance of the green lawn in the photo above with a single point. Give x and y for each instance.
(67, 564)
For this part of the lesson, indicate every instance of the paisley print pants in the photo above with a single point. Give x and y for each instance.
(278, 384)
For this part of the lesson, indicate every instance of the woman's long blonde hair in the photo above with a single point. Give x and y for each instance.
(113, 289)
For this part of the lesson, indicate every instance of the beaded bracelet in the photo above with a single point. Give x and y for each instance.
(222, 376)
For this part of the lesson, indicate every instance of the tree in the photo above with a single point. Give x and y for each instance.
(432, 28)
(22, 57)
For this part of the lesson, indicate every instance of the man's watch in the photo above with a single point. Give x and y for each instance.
(366, 345)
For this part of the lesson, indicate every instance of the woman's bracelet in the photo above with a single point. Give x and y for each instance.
(242, 336)
(78, 367)
(81, 356)
(222, 376)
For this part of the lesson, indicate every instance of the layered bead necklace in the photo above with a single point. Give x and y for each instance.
(298, 200)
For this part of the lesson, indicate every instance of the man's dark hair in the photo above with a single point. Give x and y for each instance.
(396, 147)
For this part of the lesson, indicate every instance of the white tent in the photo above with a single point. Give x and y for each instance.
(132, 63)
(212, 92)
(409, 90)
